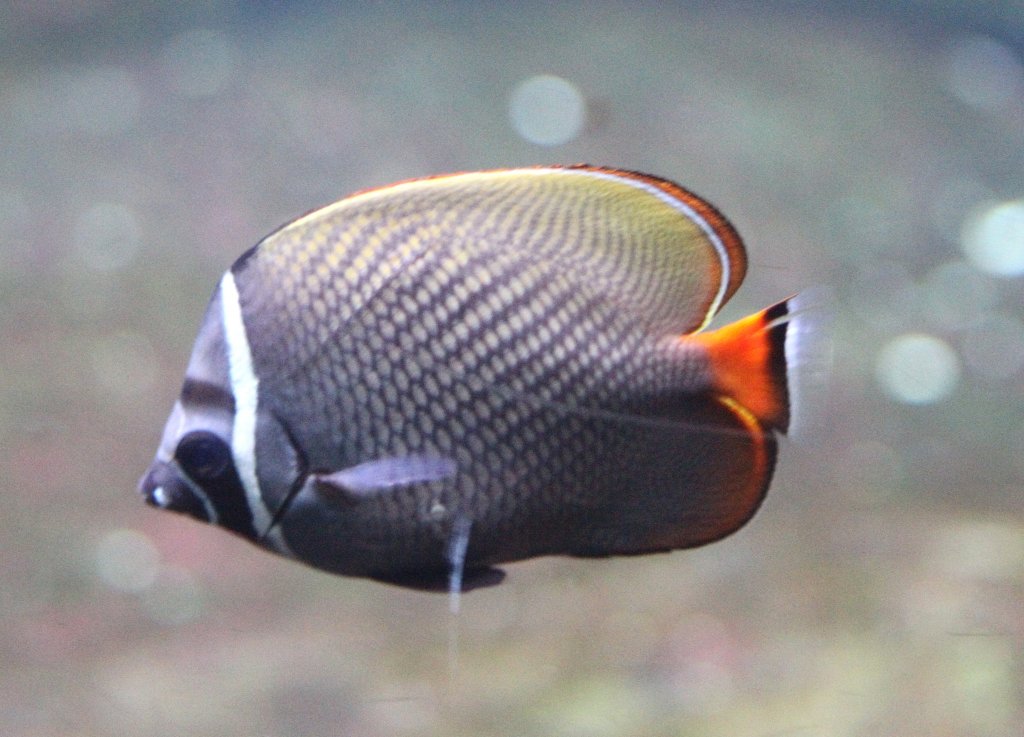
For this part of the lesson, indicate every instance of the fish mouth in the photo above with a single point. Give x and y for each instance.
(164, 486)
(152, 485)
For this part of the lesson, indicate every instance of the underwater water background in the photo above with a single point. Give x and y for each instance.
(879, 152)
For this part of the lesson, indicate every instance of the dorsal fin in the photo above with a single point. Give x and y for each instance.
(667, 257)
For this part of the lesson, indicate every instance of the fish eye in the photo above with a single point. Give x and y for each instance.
(202, 455)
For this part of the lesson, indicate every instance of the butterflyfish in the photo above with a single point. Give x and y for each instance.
(423, 381)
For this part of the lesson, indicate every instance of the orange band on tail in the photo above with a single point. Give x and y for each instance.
(748, 364)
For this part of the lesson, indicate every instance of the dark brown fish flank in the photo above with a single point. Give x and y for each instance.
(558, 315)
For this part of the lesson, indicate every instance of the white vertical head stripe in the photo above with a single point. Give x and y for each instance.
(245, 387)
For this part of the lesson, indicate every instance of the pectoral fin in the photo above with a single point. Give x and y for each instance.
(368, 479)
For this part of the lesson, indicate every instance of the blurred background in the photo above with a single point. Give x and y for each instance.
(877, 149)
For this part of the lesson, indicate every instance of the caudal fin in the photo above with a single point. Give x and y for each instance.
(774, 362)
(808, 351)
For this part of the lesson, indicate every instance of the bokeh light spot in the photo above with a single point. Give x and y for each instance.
(917, 369)
(993, 239)
(199, 62)
(984, 73)
(547, 110)
(127, 560)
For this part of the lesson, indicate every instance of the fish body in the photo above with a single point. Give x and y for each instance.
(508, 364)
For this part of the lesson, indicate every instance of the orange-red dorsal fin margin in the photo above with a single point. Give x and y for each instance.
(748, 364)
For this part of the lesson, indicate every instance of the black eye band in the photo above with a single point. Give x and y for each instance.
(203, 455)
(207, 461)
